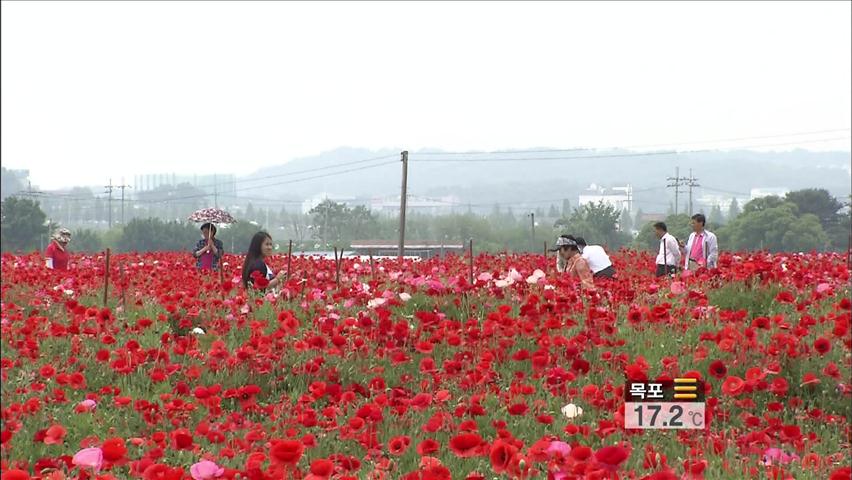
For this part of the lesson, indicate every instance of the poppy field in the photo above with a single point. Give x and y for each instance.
(390, 370)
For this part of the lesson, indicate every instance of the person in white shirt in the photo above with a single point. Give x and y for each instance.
(595, 256)
(702, 248)
(669, 255)
(597, 259)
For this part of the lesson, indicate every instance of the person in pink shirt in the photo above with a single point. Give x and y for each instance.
(702, 248)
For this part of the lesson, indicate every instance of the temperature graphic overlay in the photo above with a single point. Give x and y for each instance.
(669, 404)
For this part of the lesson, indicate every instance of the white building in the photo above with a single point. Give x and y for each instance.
(425, 205)
(312, 202)
(618, 197)
(768, 192)
(722, 200)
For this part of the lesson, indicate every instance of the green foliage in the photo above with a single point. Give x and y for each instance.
(817, 202)
(552, 212)
(755, 299)
(336, 224)
(625, 222)
(804, 235)
(597, 223)
(774, 224)
(733, 210)
(86, 241)
(766, 203)
(678, 226)
(23, 222)
(10, 182)
(328, 220)
(839, 234)
(153, 234)
(715, 216)
(566, 207)
(112, 237)
(237, 237)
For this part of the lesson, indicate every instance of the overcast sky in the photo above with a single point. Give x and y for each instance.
(105, 89)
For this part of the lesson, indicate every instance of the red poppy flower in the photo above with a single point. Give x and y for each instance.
(466, 445)
(54, 435)
(717, 369)
(15, 474)
(822, 345)
(159, 471)
(114, 449)
(181, 439)
(733, 386)
(810, 379)
(286, 452)
(779, 386)
(322, 468)
(398, 445)
(612, 456)
(581, 453)
(501, 456)
(661, 475)
(518, 409)
(427, 447)
(842, 473)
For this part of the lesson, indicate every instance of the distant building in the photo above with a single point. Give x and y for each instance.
(431, 206)
(651, 218)
(768, 192)
(722, 200)
(310, 203)
(618, 197)
(220, 184)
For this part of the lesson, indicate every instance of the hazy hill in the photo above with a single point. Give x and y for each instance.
(544, 176)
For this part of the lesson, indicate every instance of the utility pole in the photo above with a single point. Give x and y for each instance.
(676, 183)
(402, 201)
(691, 182)
(532, 231)
(122, 187)
(109, 191)
(30, 193)
(215, 192)
(629, 199)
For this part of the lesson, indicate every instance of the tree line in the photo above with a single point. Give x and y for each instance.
(803, 220)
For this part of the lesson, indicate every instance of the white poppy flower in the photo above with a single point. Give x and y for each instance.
(572, 411)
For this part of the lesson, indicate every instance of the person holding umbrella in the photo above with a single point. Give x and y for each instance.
(209, 250)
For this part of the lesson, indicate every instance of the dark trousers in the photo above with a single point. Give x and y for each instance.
(607, 272)
(663, 270)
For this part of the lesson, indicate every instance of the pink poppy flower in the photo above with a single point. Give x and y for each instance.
(205, 470)
(89, 458)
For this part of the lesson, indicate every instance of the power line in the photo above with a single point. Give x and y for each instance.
(511, 203)
(274, 184)
(726, 191)
(298, 172)
(265, 178)
(327, 167)
(676, 182)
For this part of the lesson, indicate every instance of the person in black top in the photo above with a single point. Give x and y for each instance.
(255, 270)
